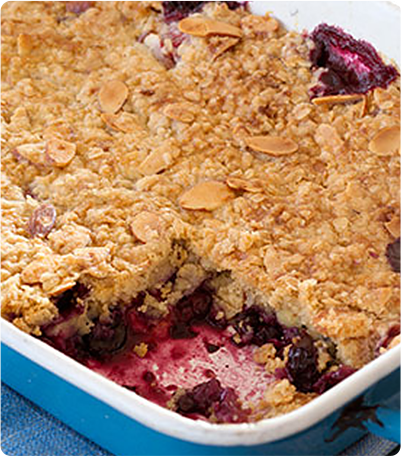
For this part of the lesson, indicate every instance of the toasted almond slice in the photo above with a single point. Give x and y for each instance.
(155, 162)
(203, 27)
(338, 99)
(206, 196)
(147, 226)
(364, 109)
(393, 226)
(180, 112)
(219, 45)
(125, 122)
(59, 152)
(386, 141)
(42, 220)
(238, 183)
(25, 44)
(112, 96)
(62, 287)
(35, 153)
(272, 145)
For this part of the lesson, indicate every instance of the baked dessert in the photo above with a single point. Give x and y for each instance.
(197, 203)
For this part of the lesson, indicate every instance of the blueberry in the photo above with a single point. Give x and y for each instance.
(393, 255)
(200, 398)
(189, 310)
(302, 364)
(211, 398)
(106, 338)
(255, 326)
(330, 379)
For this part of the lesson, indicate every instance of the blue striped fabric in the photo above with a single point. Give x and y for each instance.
(27, 430)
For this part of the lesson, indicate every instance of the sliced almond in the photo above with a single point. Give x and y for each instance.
(364, 109)
(62, 287)
(238, 183)
(203, 27)
(147, 226)
(206, 196)
(125, 122)
(25, 44)
(272, 145)
(386, 141)
(179, 111)
(59, 152)
(155, 162)
(272, 262)
(35, 153)
(42, 220)
(337, 99)
(112, 96)
(393, 226)
(219, 45)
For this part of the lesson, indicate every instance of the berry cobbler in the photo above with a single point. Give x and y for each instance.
(197, 203)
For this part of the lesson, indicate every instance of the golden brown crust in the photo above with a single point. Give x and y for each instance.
(304, 232)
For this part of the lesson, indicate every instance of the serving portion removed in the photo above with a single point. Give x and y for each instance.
(197, 203)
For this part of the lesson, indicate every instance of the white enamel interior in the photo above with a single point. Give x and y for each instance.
(377, 22)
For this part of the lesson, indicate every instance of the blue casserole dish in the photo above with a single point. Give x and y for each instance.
(127, 424)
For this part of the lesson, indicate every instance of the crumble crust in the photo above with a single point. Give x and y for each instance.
(148, 166)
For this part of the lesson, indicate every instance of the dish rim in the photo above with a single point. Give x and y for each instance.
(196, 431)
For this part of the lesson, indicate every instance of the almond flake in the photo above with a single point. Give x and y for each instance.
(219, 46)
(62, 287)
(386, 141)
(125, 122)
(338, 99)
(155, 162)
(272, 145)
(180, 112)
(206, 196)
(59, 152)
(238, 183)
(364, 109)
(25, 44)
(203, 27)
(147, 226)
(35, 153)
(393, 226)
(112, 96)
(42, 220)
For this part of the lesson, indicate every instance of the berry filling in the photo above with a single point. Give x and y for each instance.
(210, 398)
(175, 11)
(192, 360)
(350, 65)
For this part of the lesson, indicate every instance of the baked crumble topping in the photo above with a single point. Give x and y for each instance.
(187, 181)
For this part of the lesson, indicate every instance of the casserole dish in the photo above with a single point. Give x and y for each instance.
(179, 427)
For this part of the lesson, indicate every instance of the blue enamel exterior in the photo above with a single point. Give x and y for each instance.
(123, 436)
